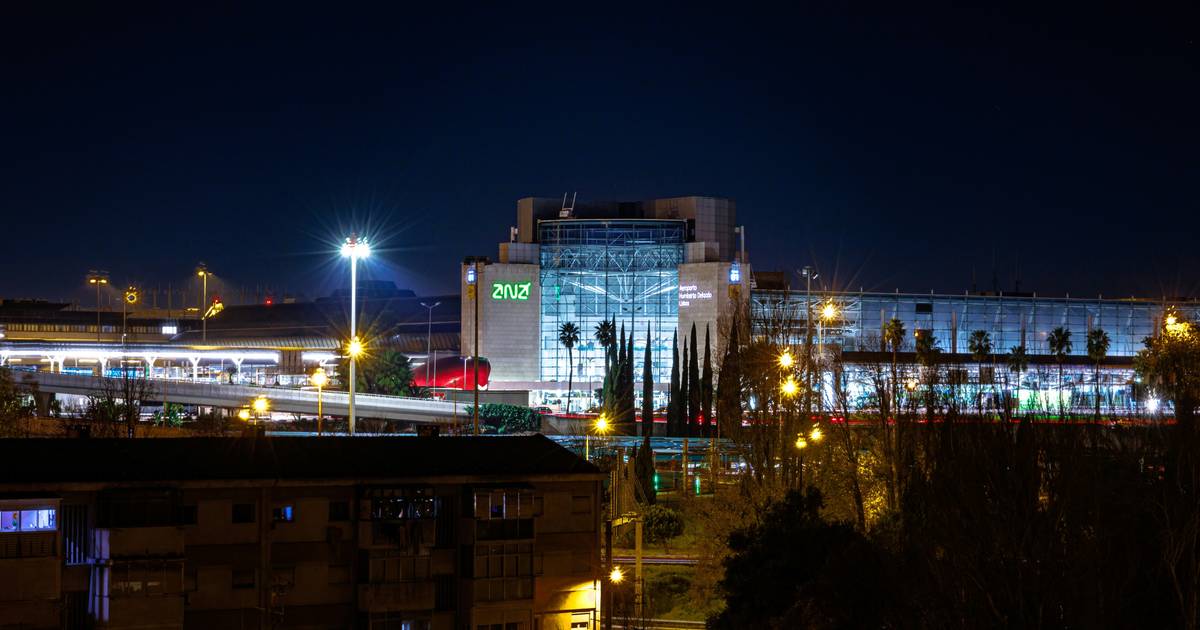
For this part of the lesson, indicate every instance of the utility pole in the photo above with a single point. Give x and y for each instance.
(429, 339)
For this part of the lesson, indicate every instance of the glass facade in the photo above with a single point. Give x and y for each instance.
(1010, 321)
(598, 270)
(853, 322)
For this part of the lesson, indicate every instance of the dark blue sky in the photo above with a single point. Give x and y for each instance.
(893, 149)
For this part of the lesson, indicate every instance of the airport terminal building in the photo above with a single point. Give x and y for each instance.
(654, 267)
(659, 266)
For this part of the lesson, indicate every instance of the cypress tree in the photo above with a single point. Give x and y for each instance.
(647, 390)
(684, 425)
(706, 389)
(673, 399)
(630, 391)
(694, 387)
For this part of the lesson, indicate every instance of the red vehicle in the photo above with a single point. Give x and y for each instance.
(453, 372)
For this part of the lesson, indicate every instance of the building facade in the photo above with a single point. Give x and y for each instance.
(404, 533)
(850, 325)
(653, 267)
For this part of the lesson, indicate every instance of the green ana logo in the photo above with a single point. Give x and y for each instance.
(510, 290)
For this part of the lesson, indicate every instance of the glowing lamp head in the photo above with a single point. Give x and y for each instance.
(911, 384)
(816, 435)
(319, 378)
(616, 576)
(243, 414)
(602, 424)
(829, 311)
(131, 295)
(261, 405)
(355, 247)
(786, 360)
(355, 348)
(801, 443)
(789, 387)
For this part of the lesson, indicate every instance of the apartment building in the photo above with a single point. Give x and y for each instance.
(405, 533)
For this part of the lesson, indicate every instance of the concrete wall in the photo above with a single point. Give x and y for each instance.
(705, 299)
(508, 333)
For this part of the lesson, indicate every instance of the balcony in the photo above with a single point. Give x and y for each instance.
(137, 542)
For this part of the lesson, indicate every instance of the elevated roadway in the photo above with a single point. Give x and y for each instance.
(235, 396)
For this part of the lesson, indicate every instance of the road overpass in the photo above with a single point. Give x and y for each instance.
(286, 400)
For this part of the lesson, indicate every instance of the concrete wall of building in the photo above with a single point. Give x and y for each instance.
(707, 298)
(714, 219)
(508, 332)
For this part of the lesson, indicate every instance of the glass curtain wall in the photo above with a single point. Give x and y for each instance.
(598, 270)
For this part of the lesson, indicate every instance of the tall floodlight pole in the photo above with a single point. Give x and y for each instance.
(354, 249)
(808, 274)
(97, 278)
(429, 338)
(202, 271)
(473, 283)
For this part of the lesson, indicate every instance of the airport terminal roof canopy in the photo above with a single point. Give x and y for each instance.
(148, 460)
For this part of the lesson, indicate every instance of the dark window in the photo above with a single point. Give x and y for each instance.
(243, 513)
(581, 505)
(283, 513)
(339, 511)
(187, 515)
(243, 578)
(924, 307)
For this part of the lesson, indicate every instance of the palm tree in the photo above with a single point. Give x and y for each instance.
(605, 334)
(1018, 362)
(568, 336)
(980, 345)
(1097, 348)
(1059, 342)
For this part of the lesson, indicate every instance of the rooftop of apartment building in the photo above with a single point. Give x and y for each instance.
(292, 458)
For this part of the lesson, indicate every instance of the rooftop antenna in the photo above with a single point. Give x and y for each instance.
(566, 211)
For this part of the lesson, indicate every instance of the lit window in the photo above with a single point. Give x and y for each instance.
(10, 520)
(170, 330)
(282, 514)
(35, 520)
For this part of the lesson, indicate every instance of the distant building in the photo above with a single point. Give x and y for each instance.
(653, 266)
(397, 533)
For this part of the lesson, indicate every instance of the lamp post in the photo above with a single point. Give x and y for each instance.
(429, 338)
(319, 379)
(472, 281)
(354, 248)
(97, 279)
(131, 298)
(809, 274)
(202, 272)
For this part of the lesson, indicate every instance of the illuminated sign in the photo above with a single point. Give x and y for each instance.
(690, 292)
(735, 273)
(510, 290)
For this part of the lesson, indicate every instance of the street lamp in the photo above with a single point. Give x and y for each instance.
(261, 407)
(319, 379)
(203, 272)
(243, 414)
(131, 298)
(816, 435)
(789, 387)
(616, 576)
(354, 249)
(97, 278)
(786, 360)
(601, 427)
(429, 338)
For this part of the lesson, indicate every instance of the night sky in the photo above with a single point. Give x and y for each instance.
(891, 150)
